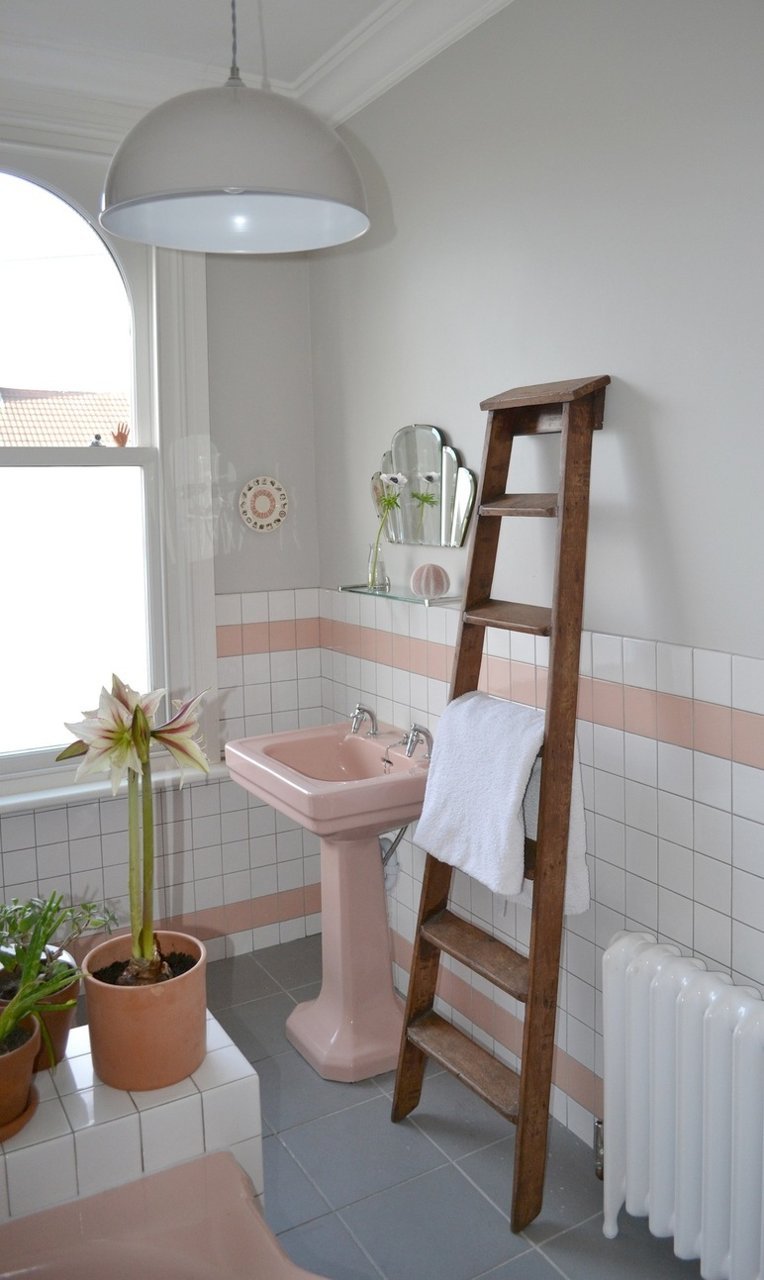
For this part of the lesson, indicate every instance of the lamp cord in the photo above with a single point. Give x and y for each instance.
(266, 84)
(234, 77)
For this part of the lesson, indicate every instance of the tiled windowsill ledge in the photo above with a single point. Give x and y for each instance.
(86, 1137)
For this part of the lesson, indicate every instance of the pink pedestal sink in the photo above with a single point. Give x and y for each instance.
(347, 788)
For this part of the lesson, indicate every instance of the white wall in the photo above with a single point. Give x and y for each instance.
(261, 418)
(575, 188)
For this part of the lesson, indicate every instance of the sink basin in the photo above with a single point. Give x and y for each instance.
(347, 788)
(334, 782)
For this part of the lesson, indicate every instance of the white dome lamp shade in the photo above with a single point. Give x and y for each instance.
(234, 170)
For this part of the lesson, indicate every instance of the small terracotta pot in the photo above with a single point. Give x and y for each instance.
(58, 1023)
(147, 1037)
(16, 1074)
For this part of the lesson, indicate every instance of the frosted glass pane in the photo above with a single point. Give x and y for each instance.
(73, 592)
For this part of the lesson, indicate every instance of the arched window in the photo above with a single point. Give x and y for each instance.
(76, 478)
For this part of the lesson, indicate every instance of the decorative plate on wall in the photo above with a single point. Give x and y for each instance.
(263, 504)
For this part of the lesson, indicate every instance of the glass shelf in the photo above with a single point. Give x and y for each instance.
(400, 593)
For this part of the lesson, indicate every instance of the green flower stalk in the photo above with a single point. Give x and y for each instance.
(117, 739)
(386, 502)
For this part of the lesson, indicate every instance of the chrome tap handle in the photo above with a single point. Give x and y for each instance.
(360, 714)
(418, 733)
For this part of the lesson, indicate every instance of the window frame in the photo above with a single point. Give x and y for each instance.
(167, 294)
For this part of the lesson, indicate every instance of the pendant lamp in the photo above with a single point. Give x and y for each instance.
(234, 170)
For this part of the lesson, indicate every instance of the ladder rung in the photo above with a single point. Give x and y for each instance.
(496, 1083)
(521, 504)
(508, 616)
(480, 952)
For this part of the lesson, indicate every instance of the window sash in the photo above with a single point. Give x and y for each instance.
(38, 767)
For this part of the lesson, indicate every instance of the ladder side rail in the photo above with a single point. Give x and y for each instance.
(481, 557)
(423, 979)
(554, 814)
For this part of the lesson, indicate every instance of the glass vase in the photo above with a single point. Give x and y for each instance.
(377, 579)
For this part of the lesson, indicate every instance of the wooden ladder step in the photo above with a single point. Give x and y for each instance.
(521, 504)
(508, 616)
(479, 951)
(490, 1079)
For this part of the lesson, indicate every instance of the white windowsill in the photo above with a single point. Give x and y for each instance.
(82, 792)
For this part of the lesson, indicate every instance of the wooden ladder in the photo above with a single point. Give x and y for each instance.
(574, 410)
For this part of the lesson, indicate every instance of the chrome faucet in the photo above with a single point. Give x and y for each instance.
(359, 715)
(418, 733)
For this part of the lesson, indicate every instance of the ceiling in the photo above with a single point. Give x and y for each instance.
(333, 55)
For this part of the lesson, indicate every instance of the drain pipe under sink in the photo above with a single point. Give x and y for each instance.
(387, 848)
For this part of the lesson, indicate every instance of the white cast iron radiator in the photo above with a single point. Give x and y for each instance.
(684, 1105)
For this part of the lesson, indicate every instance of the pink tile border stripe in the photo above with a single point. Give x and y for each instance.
(701, 726)
(251, 913)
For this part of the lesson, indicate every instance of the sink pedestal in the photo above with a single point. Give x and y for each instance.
(352, 1030)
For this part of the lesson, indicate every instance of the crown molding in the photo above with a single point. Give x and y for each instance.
(386, 50)
(40, 106)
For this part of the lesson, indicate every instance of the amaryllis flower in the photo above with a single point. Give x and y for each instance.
(106, 737)
(179, 735)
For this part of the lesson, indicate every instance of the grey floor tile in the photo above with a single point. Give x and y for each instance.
(454, 1117)
(293, 964)
(291, 1092)
(257, 1027)
(290, 1196)
(327, 1248)
(355, 1153)
(584, 1254)
(436, 1227)
(528, 1266)
(235, 980)
(572, 1193)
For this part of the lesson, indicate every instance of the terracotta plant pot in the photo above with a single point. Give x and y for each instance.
(59, 1023)
(151, 1036)
(16, 1075)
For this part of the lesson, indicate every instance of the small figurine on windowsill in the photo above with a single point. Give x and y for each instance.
(96, 440)
(120, 435)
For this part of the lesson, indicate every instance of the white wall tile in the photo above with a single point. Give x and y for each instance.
(675, 867)
(640, 663)
(172, 1133)
(748, 684)
(675, 816)
(281, 606)
(642, 854)
(41, 1175)
(674, 669)
(748, 845)
(748, 951)
(609, 749)
(641, 759)
(641, 806)
(713, 935)
(108, 1155)
(712, 676)
(607, 657)
(712, 883)
(748, 792)
(675, 917)
(675, 769)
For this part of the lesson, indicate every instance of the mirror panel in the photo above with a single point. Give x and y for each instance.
(436, 494)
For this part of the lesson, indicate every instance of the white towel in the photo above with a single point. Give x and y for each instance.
(481, 775)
